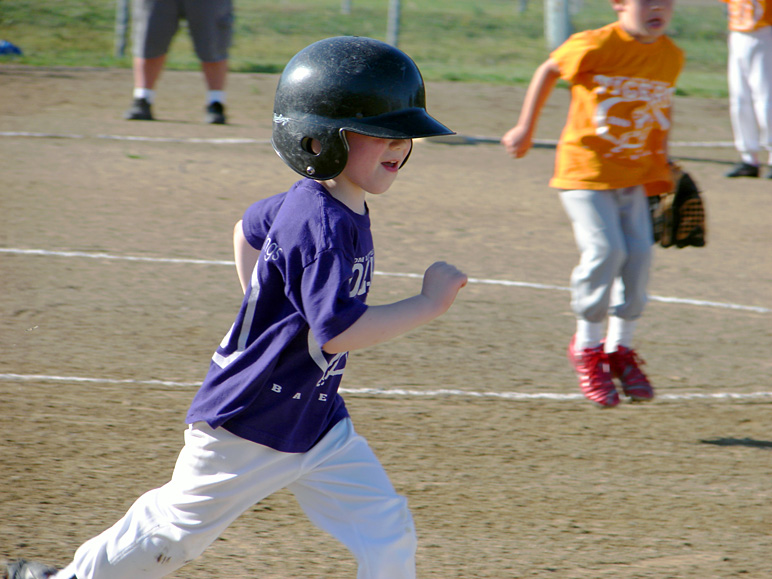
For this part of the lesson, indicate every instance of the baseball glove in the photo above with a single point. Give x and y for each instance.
(678, 217)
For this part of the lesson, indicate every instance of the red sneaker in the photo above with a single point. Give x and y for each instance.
(592, 368)
(625, 365)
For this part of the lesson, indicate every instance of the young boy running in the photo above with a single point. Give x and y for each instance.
(611, 154)
(268, 415)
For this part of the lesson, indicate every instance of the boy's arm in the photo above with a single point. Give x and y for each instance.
(517, 140)
(245, 255)
(441, 284)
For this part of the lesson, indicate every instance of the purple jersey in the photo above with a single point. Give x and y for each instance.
(269, 381)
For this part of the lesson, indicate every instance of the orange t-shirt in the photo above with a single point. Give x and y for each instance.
(620, 114)
(749, 15)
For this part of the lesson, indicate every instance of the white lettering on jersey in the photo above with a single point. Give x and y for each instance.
(276, 388)
(362, 275)
(271, 250)
(653, 98)
(323, 397)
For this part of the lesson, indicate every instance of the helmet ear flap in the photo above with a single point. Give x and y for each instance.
(294, 143)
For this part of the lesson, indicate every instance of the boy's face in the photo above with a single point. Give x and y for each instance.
(644, 20)
(373, 163)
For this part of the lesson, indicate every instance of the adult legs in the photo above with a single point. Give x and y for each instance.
(155, 22)
(146, 74)
(211, 29)
(147, 71)
(215, 74)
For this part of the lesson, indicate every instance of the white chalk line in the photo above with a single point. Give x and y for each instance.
(45, 252)
(498, 282)
(396, 392)
(191, 140)
(476, 140)
(447, 140)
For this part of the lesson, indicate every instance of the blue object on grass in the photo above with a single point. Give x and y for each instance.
(8, 48)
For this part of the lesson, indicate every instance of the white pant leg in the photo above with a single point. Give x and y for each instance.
(346, 492)
(596, 223)
(742, 113)
(217, 477)
(760, 80)
(635, 220)
(612, 229)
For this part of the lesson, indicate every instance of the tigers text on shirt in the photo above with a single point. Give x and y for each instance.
(619, 119)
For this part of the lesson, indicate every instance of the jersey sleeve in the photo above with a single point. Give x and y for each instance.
(258, 218)
(570, 56)
(580, 54)
(330, 293)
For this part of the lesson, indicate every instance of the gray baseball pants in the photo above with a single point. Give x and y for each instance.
(613, 232)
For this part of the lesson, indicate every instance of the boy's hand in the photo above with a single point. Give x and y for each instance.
(381, 323)
(517, 141)
(441, 284)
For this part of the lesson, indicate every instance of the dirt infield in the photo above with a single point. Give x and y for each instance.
(508, 472)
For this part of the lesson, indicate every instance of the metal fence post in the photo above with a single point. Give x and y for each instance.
(557, 22)
(121, 26)
(392, 26)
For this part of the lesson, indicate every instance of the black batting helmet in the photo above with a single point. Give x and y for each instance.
(346, 83)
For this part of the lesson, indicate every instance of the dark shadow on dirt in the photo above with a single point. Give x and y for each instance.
(739, 442)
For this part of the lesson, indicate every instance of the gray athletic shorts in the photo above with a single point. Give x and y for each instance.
(156, 22)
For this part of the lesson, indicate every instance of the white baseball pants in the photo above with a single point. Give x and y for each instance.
(339, 483)
(749, 73)
(613, 232)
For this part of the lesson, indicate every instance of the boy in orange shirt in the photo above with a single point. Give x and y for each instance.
(612, 153)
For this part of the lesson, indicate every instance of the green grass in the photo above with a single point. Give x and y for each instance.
(459, 40)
